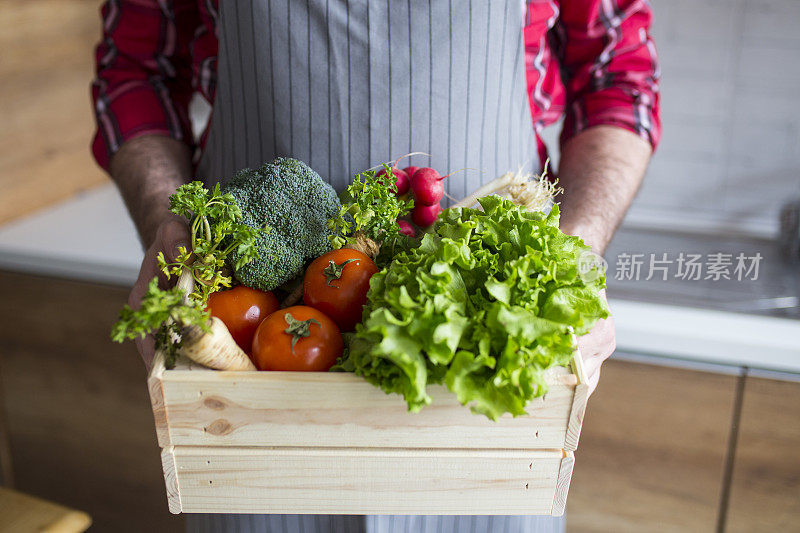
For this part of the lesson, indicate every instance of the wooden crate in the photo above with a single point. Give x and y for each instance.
(331, 443)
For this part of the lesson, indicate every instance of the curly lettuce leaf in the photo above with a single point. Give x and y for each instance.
(486, 303)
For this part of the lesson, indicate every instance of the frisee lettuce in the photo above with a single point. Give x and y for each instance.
(485, 304)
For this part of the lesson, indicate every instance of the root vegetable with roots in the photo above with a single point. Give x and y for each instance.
(532, 191)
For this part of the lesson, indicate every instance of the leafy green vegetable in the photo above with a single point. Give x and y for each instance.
(485, 304)
(371, 207)
(216, 233)
(163, 312)
(294, 201)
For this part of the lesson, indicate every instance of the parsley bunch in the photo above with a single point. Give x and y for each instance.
(216, 229)
(370, 207)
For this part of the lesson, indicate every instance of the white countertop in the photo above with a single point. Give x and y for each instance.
(91, 238)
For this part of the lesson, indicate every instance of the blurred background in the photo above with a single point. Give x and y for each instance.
(696, 423)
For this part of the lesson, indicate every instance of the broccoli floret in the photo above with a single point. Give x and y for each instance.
(295, 204)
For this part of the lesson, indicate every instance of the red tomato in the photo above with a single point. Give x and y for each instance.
(242, 309)
(337, 282)
(299, 339)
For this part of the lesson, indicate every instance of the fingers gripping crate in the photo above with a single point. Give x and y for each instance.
(331, 443)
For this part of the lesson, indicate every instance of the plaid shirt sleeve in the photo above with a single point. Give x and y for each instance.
(609, 66)
(143, 80)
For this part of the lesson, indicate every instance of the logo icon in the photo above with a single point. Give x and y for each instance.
(591, 266)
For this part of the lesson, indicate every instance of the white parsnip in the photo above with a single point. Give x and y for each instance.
(532, 191)
(214, 348)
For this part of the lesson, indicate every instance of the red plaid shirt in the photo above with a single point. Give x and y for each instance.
(592, 60)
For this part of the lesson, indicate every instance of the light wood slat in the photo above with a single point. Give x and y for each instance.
(579, 401)
(206, 407)
(21, 513)
(171, 480)
(366, 481)
(765, 489)
(156, 390)
(562, 484)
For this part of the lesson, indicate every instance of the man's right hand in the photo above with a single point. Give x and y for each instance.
(170, 235)
(147, 170)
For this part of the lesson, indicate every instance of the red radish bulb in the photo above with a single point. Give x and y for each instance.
(425, 215)
(410, 170)
(427, 187)
(401, 180)
(406, 228)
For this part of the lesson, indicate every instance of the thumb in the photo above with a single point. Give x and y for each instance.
(172, 235)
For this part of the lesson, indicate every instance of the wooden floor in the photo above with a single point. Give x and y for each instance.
(46, 66)
(652, 455)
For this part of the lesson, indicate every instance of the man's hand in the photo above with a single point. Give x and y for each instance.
(601, 169)
(170, 235)
(595, 347)
(147, 170)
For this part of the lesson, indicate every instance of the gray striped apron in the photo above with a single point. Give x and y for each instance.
(346, 85)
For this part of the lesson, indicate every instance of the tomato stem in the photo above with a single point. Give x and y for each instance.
(333, 271)
(298, 329)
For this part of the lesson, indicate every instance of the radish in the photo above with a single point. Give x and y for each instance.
(425, 215)
(427, 187)
(406, 228)
(410, 170)
(401, 180)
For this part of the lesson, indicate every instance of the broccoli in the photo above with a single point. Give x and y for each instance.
(294, 203)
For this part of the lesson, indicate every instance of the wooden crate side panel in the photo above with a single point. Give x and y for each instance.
(171, 480)
(342, 410)
(366, 481)
(578, 409)
(562, 483)
(156, 389)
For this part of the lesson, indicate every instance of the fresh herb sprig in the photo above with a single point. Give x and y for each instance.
(163, 313)
(216, 231)
(370, 206)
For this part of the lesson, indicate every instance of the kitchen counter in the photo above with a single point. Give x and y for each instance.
(752, 323)
(774, 290)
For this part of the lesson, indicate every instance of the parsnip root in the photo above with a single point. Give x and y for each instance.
(529, 190)
(215, 349)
